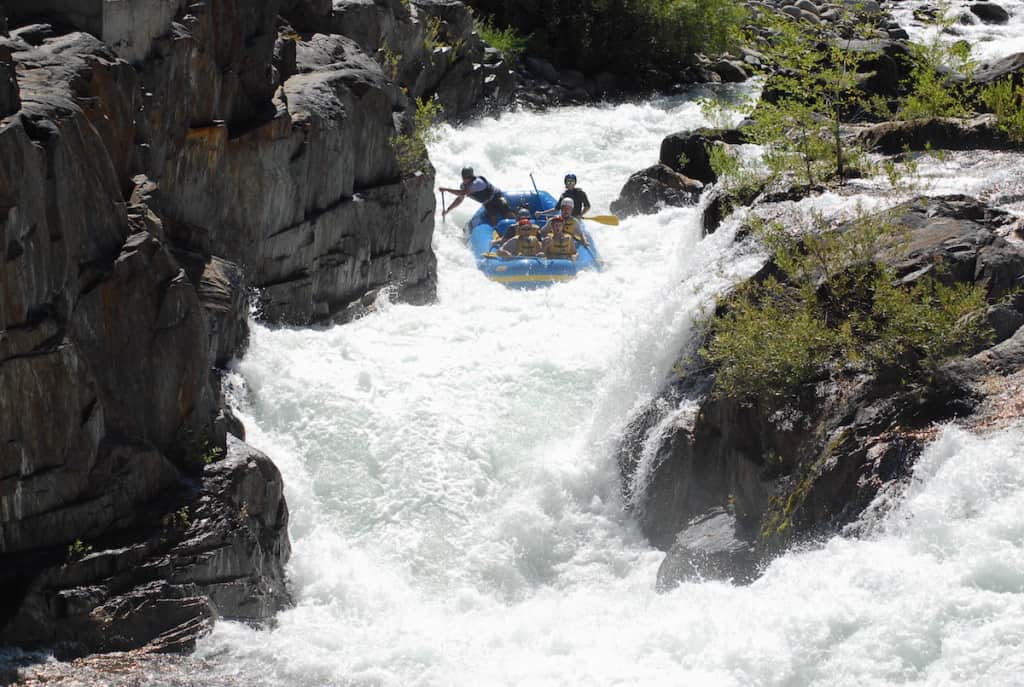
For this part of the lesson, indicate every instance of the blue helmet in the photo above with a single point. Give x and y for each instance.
(570, 177)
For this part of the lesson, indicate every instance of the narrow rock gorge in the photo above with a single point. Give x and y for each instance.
(165, 169)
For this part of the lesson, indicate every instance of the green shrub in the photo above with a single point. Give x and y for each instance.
(768, 341)
(410, 148)
(390, 60)
(1007, 102)
(77, 550)
(931, 321)
(704, 26)
(840, 305)
(507, 41)
(935, 64)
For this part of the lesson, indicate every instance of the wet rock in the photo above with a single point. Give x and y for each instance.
(541, 68)
(712, 546)
(1011, 66)
(188, 558)
(730, 71)
(944, 133)
(651, 189)
(721, 202)
(10, 100)
(225, 300)
(990, 12)
(571, 78)
(687, 152)
(811, 467)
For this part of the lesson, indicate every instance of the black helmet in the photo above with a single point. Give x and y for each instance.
(467, 172)
(524, 212)
(570, 177)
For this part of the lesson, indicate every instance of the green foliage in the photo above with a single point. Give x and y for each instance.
(840, 305)
(933, 320)
(179, 519)
(211, 454)
(769, 340)
(411, 148)
(78, 550)
(935, 64)
(390, 60)
(1007, 102)
(704, 26)
(815, 83)
(613, 35)
(741, 182)
(508, 41)
(813, 87)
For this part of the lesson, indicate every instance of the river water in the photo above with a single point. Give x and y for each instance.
(456, 506)
(456, 509)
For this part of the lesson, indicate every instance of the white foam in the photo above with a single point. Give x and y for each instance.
(456, 509)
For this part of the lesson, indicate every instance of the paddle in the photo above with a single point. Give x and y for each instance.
(610, 220)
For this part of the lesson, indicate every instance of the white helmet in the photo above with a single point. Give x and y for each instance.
(568, 201)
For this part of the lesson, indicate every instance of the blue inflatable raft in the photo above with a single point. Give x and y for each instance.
(526, 273)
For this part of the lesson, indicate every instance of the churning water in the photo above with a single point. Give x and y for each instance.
(456, 509)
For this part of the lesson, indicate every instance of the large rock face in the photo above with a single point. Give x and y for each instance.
(107, 402)
(155, 166)
(786, 474)
(218, 553)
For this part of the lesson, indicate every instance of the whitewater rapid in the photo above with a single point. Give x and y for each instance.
(456, 509)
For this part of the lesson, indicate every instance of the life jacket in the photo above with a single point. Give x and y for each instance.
(572, 228)
(527, 245)
(533, 230)
(563, 247)
(484, 194)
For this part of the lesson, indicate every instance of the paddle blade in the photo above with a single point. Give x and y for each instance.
(610, 220)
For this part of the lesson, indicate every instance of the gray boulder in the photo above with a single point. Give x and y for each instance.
(709, 547)
(687, 152)
(650, 189)
(1011, 66)
(730, 71)
(939, 133)
(215, 551)
(990, 13)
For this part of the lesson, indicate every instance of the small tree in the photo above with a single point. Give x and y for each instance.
(936, 86)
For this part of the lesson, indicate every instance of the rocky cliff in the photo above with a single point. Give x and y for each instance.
(730, 483)
(162, 164)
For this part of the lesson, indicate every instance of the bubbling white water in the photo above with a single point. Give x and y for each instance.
(989, 41)
(456, 508)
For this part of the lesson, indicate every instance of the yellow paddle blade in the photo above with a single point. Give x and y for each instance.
(610, 220)
(488, 255)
